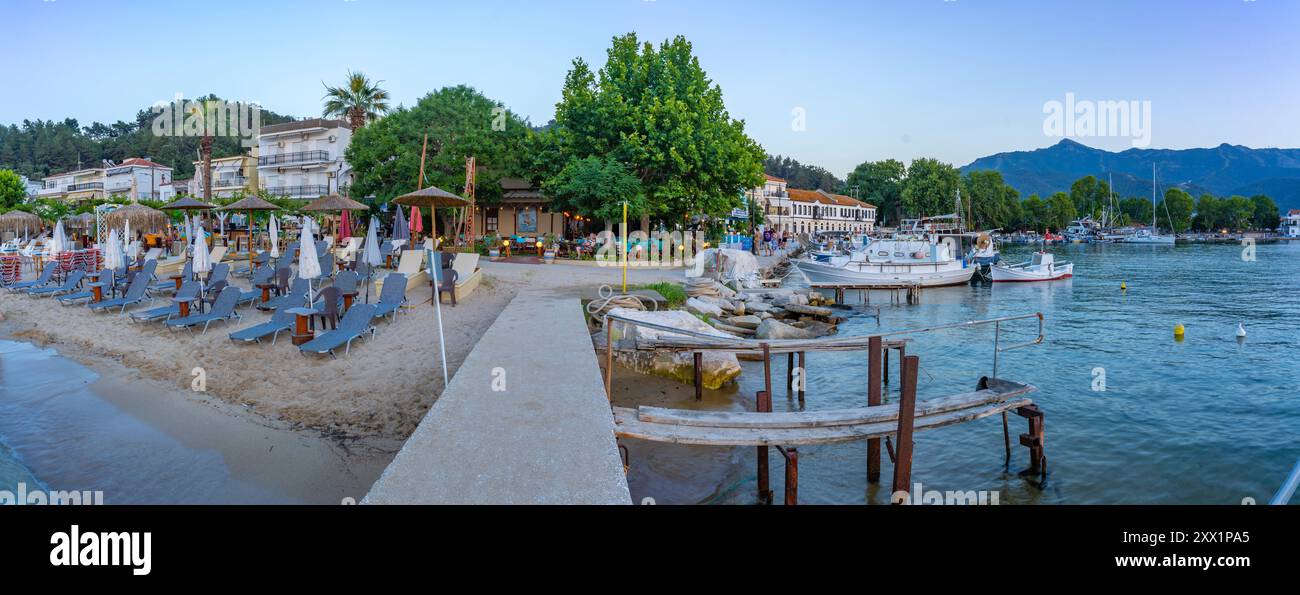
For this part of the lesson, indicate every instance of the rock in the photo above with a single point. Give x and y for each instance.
(820, 329)
(740, 308)
(718, 368)
(756, 306)
(764, 315)
(726, 292)
(771, 329)
(735, 330)
(810, 310)
(750, 322)
(699, 306)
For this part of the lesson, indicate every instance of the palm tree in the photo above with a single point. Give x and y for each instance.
(359, 100)
(202, 111)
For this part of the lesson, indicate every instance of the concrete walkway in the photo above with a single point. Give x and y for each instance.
(524, 421)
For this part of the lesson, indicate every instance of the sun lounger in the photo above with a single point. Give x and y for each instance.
(282, 320)
(218, 253)
(135, 293)
(223, 309)
(189, 289)
(354, 324)
(297, 296)
(47, 273)
(187, 273)
(392, 297)
(69, 286)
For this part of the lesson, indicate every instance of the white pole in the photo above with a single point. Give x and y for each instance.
(437, 306)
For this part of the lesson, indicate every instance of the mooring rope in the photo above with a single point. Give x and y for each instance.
(608, 300)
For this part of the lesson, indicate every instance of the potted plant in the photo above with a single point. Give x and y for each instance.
(552, 244)
(493, 245)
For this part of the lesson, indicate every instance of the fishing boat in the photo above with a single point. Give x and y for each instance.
(1043, 267)
(928, 261)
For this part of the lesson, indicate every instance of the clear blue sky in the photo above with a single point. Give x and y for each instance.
(890, 78)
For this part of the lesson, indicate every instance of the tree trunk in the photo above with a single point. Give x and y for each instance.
(358, 118)
(205, 146)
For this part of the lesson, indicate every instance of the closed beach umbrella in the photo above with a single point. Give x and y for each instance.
(417, 220)
(345, 225)
(113, 251)
(308, 263)
(202, 263)
(400, 229)
(59, 243)
(274, 229)
(370, 253)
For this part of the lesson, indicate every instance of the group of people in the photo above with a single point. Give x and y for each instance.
(773, 242)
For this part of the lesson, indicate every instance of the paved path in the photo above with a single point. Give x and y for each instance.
(547, 438)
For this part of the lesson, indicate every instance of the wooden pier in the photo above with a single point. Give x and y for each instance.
(895, 423)
(897, 292)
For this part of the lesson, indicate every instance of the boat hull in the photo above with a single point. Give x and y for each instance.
(861, 274)
(1010, 275)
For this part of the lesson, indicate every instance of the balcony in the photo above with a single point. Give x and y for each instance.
(230, 182)
(299, 191)
(295, 158)
(86, 186)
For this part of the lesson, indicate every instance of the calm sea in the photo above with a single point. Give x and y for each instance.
(1208, 420)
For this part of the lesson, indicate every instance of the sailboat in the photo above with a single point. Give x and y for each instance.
(1153, 235)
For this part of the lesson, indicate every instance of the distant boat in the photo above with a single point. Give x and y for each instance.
(1043, 267)
(1151, 236)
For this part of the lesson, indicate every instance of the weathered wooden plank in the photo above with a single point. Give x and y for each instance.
(627, 425)
(830, 417)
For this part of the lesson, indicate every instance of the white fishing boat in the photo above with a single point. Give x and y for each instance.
(925, 260)
(1043, 267)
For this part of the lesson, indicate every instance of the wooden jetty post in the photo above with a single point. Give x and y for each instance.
(906, 418)
(803, 376)
(698, 358)
(764, 405)
(873, 400)
(1034, 439)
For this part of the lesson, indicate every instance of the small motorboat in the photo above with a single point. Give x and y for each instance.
(1043, 267)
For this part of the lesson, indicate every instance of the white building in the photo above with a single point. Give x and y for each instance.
(1291, 224)
(304, 159)
(230, 176)
(809, 211)
(132, 179)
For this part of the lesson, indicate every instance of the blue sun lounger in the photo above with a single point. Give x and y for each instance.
(223, 309)
(354, 324)
(282, 320)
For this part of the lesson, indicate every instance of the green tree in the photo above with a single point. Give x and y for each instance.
(596, 187)
(459, 122)
(992, 201)
(1135, 210)
(1209, 213)
(1036, 213)
(12, 190)
(1266, 215)
(1060, 211)
(881, 184)
(656, 111)
(358, 100)
(1178, 207)
(1239, 212)
(931, 188)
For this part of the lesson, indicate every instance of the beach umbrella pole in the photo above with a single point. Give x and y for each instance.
(437, 306)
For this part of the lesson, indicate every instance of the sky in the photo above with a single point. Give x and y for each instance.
(828, 82)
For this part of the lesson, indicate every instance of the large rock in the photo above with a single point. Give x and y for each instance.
(809, 310)
(699, 306)
(718, 368)
(750, 322)
(757, 306)
(773, 330)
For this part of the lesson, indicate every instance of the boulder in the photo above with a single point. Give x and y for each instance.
(809, 310)
(818, 328)
(757, 306)
(750, 322)
(729, 328)
(772, 329)
(718, 368)
(699, 306)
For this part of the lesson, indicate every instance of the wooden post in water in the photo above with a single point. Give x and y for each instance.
(764, 405)
(906, 417)
(698, 358)
(803, 376)
(873, 400)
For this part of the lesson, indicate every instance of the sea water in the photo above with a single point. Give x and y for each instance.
(1210, 419)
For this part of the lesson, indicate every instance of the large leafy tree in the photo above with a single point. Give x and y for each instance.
(1178, 208)
(460, 122)
(596, 186)
(881, 184)
(12, 190)
(994, 204)
(1035, 213)
(656, 112)
(931, 188)
(1266, 215)
(1060, 211)
(359, 100)
(799, 175)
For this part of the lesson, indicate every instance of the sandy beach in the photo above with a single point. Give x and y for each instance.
(380, 391)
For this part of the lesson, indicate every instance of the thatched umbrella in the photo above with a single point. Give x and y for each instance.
(334, 203)
(189, 203)
(250, 204)
(16, 220)
(139, 216)
(431, 198)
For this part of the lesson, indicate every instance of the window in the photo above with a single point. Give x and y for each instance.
(490, 221)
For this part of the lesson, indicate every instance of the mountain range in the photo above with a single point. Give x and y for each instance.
(1224, 170)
